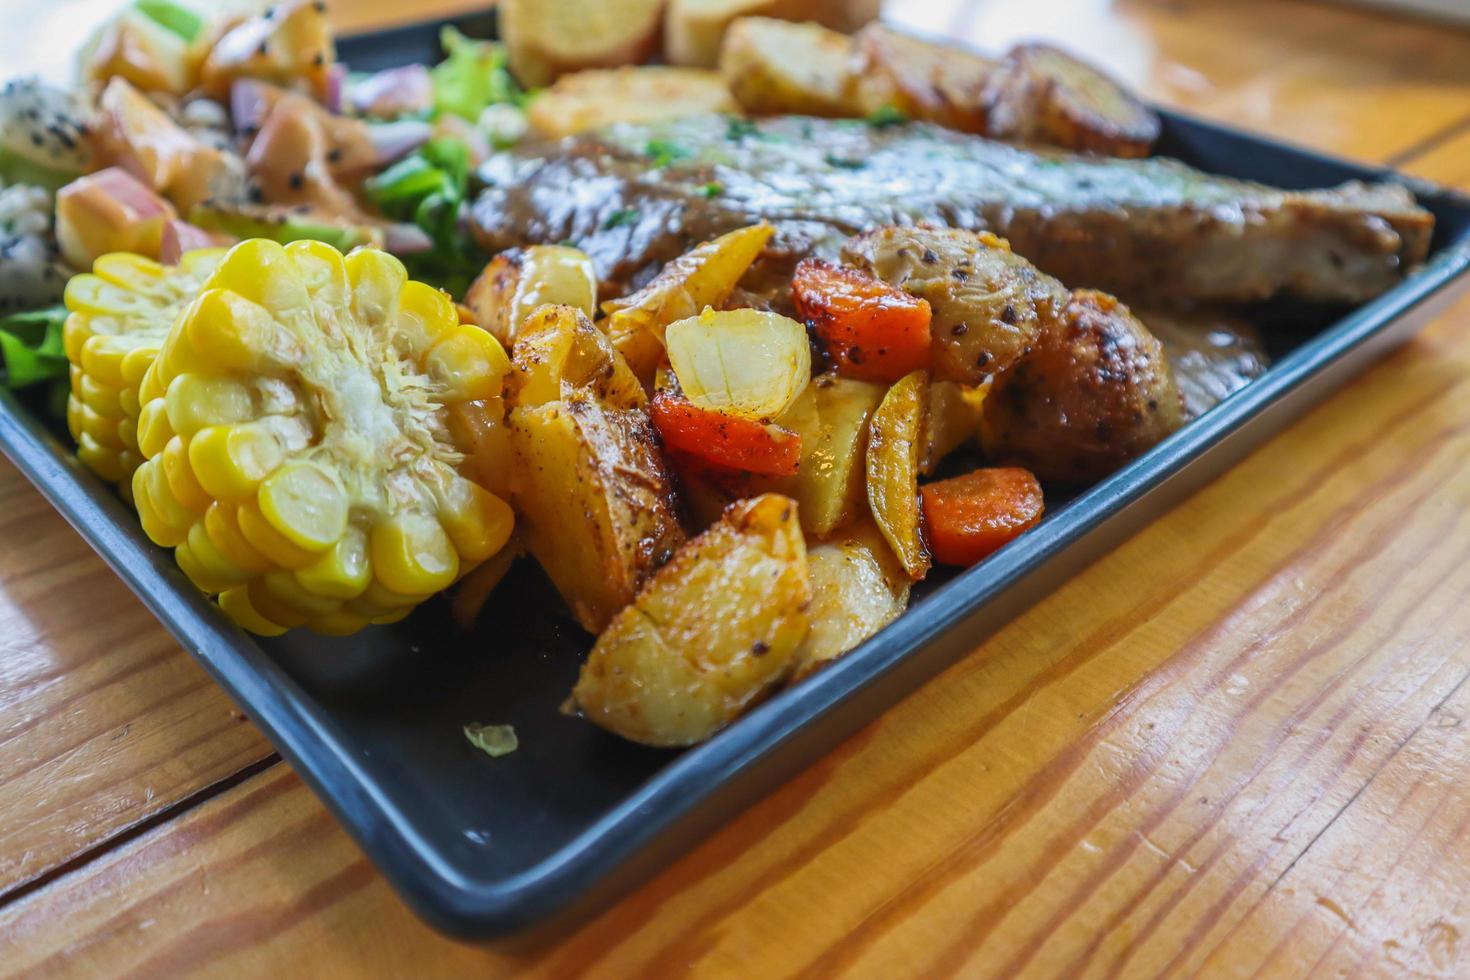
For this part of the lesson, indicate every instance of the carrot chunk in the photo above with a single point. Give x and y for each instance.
(970, 516)
(874, 331)
(725, 440)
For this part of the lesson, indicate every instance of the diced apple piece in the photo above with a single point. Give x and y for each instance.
(109, 211)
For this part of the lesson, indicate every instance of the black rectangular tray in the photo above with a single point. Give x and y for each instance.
(531, 842)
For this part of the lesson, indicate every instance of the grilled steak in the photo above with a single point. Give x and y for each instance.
(635, 197)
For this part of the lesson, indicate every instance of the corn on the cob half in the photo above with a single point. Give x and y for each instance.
(296, 427)
(118, 316)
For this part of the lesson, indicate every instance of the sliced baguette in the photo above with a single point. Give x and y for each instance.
(597, 98)
(545, 39)
(695, 29)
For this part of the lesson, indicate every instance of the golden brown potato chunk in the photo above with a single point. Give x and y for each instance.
(774, 67)
(1052, 97)
(712, 632)
(559, 351)
(546, 39)
(858, 588)
(648, 94)
(517, 281)
(989, 303)
(1094, 393)
(595, 500)
(694, 29)
(954, 419)
(895, 448)
(922, 79)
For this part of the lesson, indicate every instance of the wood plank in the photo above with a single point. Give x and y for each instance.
(1159, 765)
(104, 721)
(1447, 162)
(1360, 82)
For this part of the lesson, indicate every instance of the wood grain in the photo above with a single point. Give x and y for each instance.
(104, 721)
(1229, 743)
(1237, 743)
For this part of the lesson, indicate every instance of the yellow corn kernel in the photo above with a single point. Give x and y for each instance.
(204, 580)
(379, 600)
(102, 358)
(476, 520)
(100, 398)
(425, 315)
(74, 418)
(261, 271)
(231, 460)
(154, 432)
(221, 523)
(273, 609)
(159, 531)
(322, 271)
(129, 270)
(392, 617)
(127, 434)
(377, 280)
(131, 406)
(265, 539)
(212, 560)
(198, 401)
(102, 430)
(240, 335)
(236, 605)
(340, 623)
(343, 570)
(282, 585)
(151, 387)
(108, 462)
(306, 505)
(469, 363)
(135, 365)
(75, 332)
(411, 554)
(167, 504)
(181, 478)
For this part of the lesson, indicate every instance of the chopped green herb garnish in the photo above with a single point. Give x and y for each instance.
(664, 152)
(619, 218)
(430, 188)
(885, 116)
(494, 740)
(845, 163)
(738, 129)
(713, 189)
(172, 17)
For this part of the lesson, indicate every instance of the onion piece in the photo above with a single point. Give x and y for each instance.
(750, 363)
(335, 82)
(393, 92)
(395, 140)
(405, 238)
(250, 100)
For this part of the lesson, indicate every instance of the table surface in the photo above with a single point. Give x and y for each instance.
(1238, 743)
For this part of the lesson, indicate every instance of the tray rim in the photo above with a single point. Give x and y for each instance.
(623, 844)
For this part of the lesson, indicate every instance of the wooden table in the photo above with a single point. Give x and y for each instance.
(1239, 743)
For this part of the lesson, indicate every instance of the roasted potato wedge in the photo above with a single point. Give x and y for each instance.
(895, 446)
(712, 632)
(560, 351)
(1069, 103)
(545, 40)
(595, 500)
(858, 588)
(989, 303)
(923, 79)
(832, 417)
(647, 94)
(954, 419)
(1094, 393)
(774, 67)
(517, 281)
(480, 428)
(694, 29)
